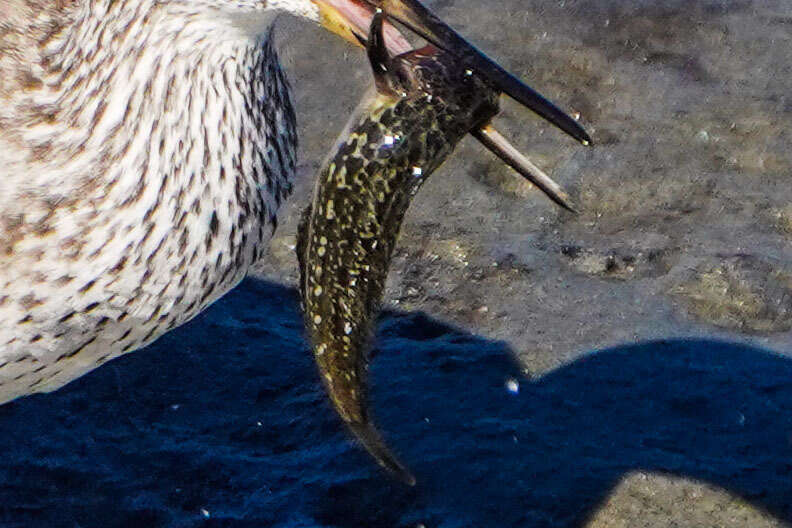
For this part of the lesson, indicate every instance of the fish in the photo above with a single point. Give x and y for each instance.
(423, 103)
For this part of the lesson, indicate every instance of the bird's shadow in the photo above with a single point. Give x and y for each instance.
(223, 423)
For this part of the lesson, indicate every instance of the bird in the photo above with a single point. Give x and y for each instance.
(146, 147)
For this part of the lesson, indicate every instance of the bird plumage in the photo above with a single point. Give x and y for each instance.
(145, 148)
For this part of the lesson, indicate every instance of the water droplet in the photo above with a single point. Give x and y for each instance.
(347, 328)
(317, 319)
(417, 172)
(205, 513)
(318, 291)
(513, 386)
(389, 140)
(468, 72)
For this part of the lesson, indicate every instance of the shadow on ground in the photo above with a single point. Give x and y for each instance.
(222, 423)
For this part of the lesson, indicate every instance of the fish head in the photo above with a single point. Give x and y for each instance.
(432, 77)
(352, 20)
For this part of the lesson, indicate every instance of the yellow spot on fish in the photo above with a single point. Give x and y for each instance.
(330, 210)
(321, 251)
(323, 241)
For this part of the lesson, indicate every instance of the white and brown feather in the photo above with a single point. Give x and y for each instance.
(144, 152)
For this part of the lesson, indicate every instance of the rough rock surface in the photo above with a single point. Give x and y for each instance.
(627, 366)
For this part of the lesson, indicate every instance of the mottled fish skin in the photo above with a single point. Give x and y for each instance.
(426, 103)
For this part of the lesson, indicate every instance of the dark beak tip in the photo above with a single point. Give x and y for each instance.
(569, 207)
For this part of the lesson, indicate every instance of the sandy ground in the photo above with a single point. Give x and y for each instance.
(646, 340)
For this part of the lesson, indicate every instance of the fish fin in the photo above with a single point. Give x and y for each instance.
(378, 54)
(302, 244)
(371, 439)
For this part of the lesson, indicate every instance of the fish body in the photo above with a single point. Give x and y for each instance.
(425, 103)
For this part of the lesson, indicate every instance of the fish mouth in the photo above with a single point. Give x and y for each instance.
(352, 18)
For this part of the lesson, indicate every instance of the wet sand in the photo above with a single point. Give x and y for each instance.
(648, 336)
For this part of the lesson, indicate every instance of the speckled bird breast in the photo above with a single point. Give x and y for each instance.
(157, 224)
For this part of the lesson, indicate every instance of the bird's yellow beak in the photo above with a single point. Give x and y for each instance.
(352, 18)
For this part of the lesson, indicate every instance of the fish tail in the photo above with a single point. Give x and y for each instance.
(371, 439)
